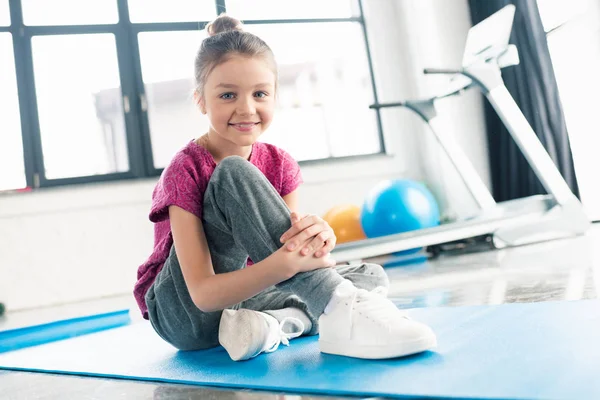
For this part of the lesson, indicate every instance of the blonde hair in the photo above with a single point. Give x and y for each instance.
(227, 38)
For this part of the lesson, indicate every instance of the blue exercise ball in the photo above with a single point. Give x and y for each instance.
(397, 206)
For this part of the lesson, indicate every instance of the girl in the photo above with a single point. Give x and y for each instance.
(224, 198)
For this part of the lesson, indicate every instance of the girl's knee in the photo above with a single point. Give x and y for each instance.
(232, 162)
(234, 169)
(234, 165)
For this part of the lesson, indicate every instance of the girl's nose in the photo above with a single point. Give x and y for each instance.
(246, 107)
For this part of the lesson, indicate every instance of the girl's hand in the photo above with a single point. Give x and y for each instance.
(295, 262)
(303, 229)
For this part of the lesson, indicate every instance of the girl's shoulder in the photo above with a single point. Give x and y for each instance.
(182, 183)
(192, 153)
(192, 159)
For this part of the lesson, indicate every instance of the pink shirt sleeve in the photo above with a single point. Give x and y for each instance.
(291, 176)
(178, 185)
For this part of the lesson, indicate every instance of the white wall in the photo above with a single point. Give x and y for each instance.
(66, 244)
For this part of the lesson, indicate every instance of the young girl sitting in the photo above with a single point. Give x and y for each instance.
(233, 263)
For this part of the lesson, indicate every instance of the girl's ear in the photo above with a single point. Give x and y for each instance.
(199, 99)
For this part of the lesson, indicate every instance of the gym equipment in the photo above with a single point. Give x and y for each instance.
(397, 206)
(14, 339)
(511, 223)
(510, 351)
(345, 222)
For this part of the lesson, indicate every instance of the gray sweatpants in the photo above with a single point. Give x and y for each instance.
(243, 216)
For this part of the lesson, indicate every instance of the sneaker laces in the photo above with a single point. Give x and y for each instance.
(277, 333)
(377, 306)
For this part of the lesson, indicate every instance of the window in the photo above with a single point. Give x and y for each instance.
(69, 12)
(290, 9)
(324, 91)
(4, 13)
(11, 145)
(574, 43)
(106, 86)
(79, 105)
(168, 74)
(171, 11)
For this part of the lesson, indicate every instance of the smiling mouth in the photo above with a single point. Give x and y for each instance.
(245, 124)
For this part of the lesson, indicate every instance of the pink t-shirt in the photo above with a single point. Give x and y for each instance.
(183, 183)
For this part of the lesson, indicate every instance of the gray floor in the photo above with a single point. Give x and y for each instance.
(559, 270)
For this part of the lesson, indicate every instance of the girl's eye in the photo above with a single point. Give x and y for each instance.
(261, 94)
(227, 96)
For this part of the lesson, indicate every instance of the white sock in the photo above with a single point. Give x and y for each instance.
(280, 315)
(343, 288)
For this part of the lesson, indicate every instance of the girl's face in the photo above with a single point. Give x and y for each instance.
(239, 100)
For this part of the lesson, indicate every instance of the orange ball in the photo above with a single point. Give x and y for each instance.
(345, 222)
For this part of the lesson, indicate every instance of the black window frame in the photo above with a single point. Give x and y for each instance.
(139, 145)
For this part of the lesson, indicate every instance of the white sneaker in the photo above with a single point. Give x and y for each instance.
(247, 333)
(381, 290)
(366, 324)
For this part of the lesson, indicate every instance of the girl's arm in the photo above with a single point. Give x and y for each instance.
(291, 199)
(212, 292)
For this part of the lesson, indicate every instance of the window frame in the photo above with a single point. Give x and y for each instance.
(138, 138)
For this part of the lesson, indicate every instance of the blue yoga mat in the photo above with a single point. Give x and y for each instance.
(519, 351)
(27, 336)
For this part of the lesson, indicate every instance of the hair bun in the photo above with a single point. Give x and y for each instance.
(223, 23)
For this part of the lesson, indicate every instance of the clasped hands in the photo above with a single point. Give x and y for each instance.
(305, 228)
